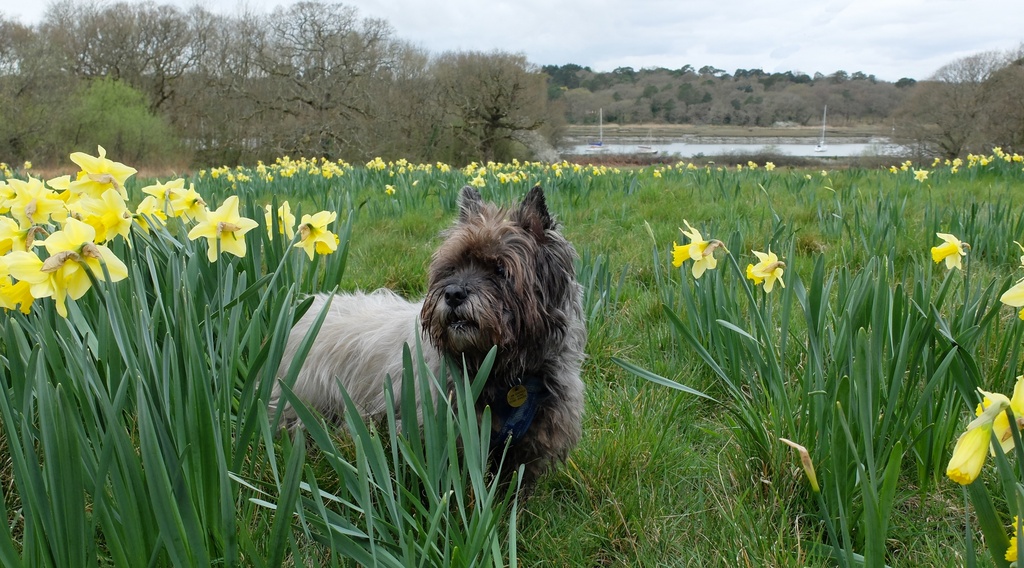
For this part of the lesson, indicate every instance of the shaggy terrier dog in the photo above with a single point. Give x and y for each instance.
(502, 277)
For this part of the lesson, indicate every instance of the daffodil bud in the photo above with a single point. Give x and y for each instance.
(805, 461)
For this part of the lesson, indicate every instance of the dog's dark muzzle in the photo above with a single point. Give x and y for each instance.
(455, 295)
(457, 317)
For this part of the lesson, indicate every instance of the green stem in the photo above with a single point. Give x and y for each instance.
(831, 530)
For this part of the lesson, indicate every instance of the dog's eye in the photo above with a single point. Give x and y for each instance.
(500, 270)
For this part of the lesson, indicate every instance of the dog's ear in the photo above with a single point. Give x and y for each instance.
(533, 214)
(470, 203)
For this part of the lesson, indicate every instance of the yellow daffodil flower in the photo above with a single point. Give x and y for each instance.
(76, 241)
(950, 251)
(14, 294)
(973, 445)
(149, 211)
(100, 174)
(62, 184)
(33, 203)
(285, 220)
(1001, 424)
(109, 215)
(1013, 297)
(769, 269)
(164, 194)
(13, 236)
(64, 273)
(27, 267)
(224, 229)
(1011, 551)
(188, 204)
(6, 194)
(921, 175)
(315, 235)
(699, 250)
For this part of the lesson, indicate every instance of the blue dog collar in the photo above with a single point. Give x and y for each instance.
(516, 411)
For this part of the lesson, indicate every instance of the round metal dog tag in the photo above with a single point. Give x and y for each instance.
(516, 396)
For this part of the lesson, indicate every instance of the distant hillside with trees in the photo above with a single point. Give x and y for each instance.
(745, 97)
(156, 84)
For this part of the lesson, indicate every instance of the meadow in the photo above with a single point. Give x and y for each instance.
(144, 323)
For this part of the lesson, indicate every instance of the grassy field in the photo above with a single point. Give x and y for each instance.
(134, 430)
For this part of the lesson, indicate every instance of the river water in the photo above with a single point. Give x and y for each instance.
(742, 146)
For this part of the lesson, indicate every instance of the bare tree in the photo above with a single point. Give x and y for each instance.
(945, 111)
(218, 111)
(407, 114)
(320, 61)
(33, 94)
(1002, 123)
(490, 98)
(149, 46)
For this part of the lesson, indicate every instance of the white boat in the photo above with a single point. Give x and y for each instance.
(647, 148)
(821, 146)
(598, 145)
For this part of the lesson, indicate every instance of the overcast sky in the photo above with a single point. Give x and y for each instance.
(890, 39)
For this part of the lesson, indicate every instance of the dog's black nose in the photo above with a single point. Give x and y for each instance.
(455, 294)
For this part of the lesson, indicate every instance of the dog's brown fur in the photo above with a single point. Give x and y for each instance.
(502, 277)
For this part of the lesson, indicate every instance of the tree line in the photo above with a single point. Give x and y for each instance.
(155, 83)
(708, 95)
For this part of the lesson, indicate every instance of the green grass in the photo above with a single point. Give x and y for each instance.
(182, 353)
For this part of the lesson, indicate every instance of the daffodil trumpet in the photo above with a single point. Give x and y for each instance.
(314, 236)
(951, 251)
(768, 270)
(700, 251)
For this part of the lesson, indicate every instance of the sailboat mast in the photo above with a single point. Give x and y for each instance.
(824, 116)
(820, 146)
